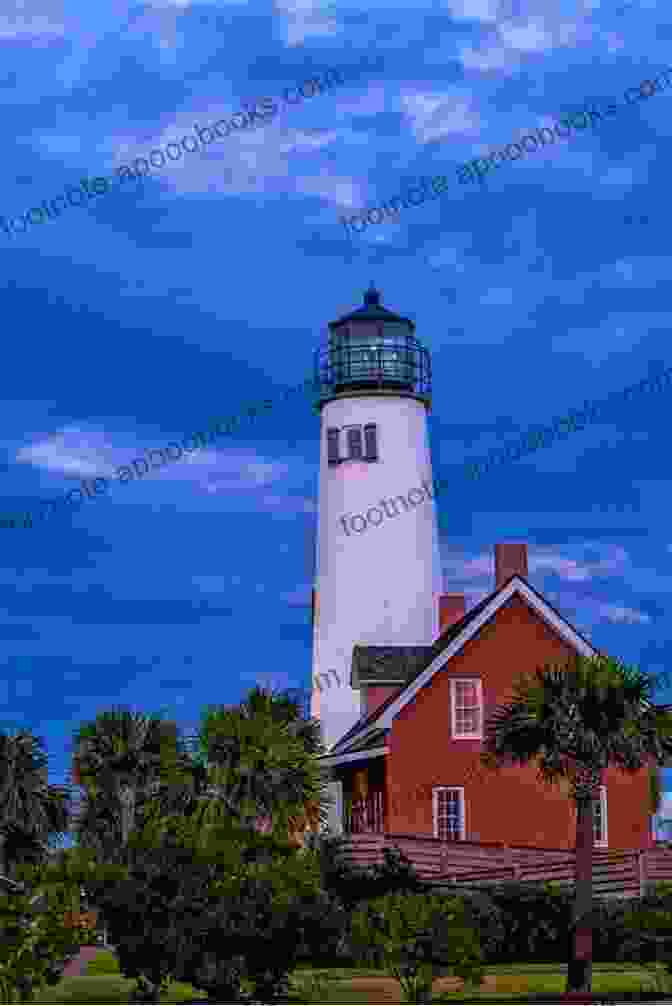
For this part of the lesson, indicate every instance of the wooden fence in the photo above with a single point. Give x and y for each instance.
(617, 873)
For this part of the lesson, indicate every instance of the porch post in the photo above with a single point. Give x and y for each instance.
(335, 819)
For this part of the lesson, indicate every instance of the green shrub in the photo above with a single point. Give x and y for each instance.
(35, 944)
(353, 885)
(532, 922)
(537, 918)
(417, 938)
(488, 920)
(104, 964)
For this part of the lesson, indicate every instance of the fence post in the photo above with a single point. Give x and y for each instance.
(511, 861)
(641, 862)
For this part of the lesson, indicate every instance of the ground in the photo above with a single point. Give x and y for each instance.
(347, 985)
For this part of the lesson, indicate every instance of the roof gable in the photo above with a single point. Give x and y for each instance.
(453, 640)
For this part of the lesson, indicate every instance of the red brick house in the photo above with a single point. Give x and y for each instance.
(410, 765)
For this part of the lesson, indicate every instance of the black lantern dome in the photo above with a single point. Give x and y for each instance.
(373, 349)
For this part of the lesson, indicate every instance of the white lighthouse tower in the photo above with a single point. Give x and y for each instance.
(378, 576)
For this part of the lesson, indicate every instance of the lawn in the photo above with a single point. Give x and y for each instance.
(505, 983)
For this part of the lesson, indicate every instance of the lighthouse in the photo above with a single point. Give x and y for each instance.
(378, 574)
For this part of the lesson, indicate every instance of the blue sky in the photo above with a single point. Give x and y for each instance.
(206, 288)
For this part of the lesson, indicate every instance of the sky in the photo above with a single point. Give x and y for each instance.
(207, 286)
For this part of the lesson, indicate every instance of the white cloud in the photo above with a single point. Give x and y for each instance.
(617, 613)
(70, 452)
(434, 115)
(77, 453)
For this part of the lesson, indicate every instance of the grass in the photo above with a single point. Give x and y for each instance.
(505, 983)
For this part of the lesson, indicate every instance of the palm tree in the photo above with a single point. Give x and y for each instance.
(31, 810)
(256, 765)
(574, 722)
(120, 760)
(265, 755)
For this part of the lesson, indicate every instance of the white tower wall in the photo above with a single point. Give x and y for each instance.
(381, 585)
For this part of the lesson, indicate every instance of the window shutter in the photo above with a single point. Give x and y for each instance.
(355, 442)
(332, 446)
(371, 442)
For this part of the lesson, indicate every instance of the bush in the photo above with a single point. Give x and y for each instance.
(352, 885)
(487, 918)
(324, 931)
(104, 964)
(35, 945)
(648, 923)
(417, 938)
(532, 922)
(225, 916)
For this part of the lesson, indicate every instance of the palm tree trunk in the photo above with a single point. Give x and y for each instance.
(127, 798)
(580, 967)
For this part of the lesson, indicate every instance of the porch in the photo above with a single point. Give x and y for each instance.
(624, 873)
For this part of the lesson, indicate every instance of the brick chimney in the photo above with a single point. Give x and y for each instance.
(452, 607)
(510, 559)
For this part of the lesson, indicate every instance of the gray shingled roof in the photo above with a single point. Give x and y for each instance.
(397, 664)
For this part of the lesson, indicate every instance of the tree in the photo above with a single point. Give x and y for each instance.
(35, 938)
(574, 722)
(417, 937)
(257, 763)
(208, 912)
(120, 759)
(31, 810)
(655, 790)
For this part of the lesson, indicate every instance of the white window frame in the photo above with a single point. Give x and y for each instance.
(478, 736)
(604, 841)
(435, 809)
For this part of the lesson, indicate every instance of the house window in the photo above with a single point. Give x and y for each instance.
(467, 708)
(332, 446)
(448, 807)
(600, 817)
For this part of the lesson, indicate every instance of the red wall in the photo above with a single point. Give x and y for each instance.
(510, 806)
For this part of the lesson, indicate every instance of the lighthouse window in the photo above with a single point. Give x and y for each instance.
(370, 442)
(357, 447)
(333, 456)
(354, 434)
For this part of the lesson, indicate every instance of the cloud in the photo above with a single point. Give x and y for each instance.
(71, 452)
(30, 26)
(617, 613)
(242, 474)
(78, 453)
(290, 504)
(457, 568)
(305, 19)
(434, 115)
(574, 570)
